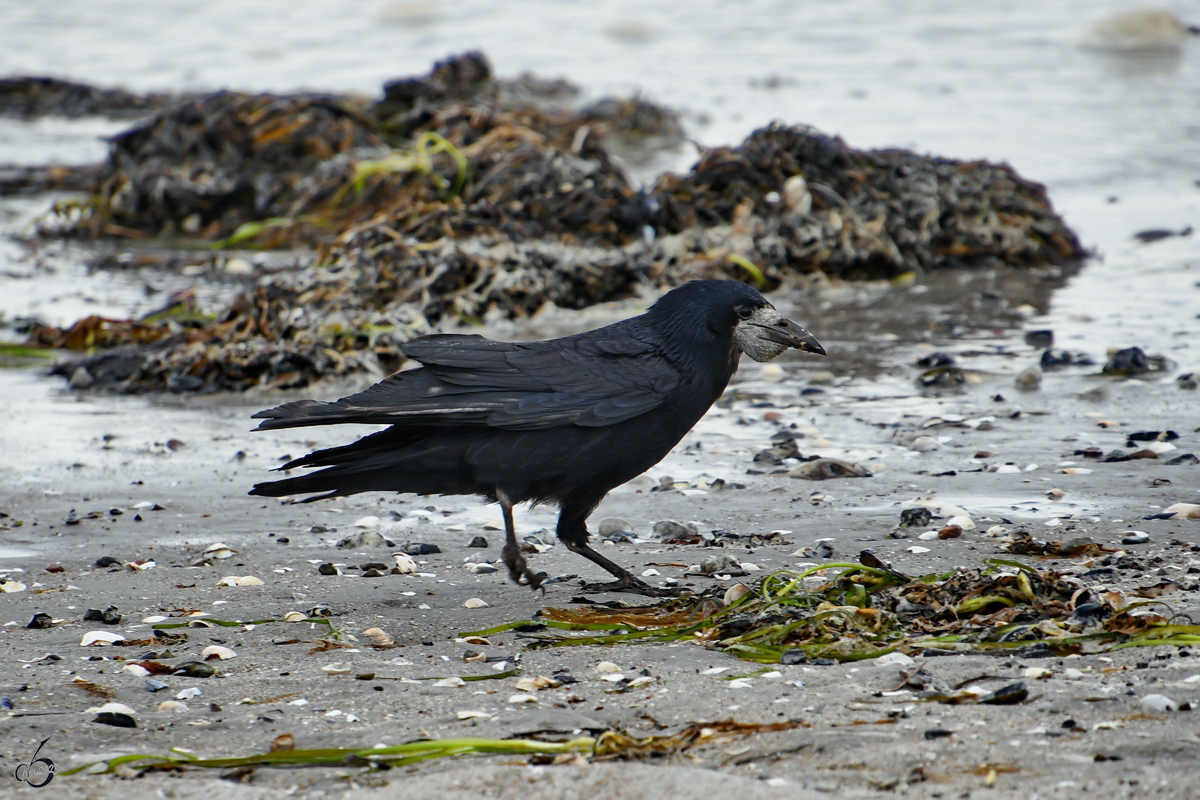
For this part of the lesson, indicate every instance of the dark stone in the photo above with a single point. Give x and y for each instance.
(419, 549)
(1042, 338)
(39, 621)
(116, 719)
(1188, 459)
(109, 616)
(796, 656)
(478, 541)
(918, 517)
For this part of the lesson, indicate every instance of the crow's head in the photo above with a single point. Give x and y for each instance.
(735, 310)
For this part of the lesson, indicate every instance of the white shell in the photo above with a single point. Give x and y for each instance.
(452, 683)
(404, 564)
(173, 705)
(236, 580)
(116, 708)
(189, 693)
(517, 699)
(100, 637)
(338, 668)
(475, 602)
(216, 651)
(607, 667)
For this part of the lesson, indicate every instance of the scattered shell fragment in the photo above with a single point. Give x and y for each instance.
(475, 602)
(283, 743)
(219, 550)
(11, 587)
(473, 714)
(136, 670)
(1157, 703)
(242, 580)
(453, 682)
(827, 468)
(895, 659)
(404, 564)
(189, 693)
(736, 592)
(1183, 510)
(1135, 537)
(173, 705)
(381, 638)
(607, 667)
(217, 651)
(100, 637)
(294, 616)
(517, 699)
(917, 549)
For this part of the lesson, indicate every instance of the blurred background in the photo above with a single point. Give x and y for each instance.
(1113, 129)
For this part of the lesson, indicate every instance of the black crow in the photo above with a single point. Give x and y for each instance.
(560, 421)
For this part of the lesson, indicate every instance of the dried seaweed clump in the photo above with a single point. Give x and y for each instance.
(815, 203)
(30, 96)
(206, 166)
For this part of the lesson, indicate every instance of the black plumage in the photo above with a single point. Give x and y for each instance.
(560, 421)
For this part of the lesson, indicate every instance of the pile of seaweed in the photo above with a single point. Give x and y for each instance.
(869, 609)
(35, 96)
(458, 197)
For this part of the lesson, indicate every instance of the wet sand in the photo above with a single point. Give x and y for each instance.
(74, 455)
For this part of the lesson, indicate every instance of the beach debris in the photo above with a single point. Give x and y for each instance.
(474, 602)
(365, 539)
(1135, 537)
(118, 719)
(478, 541)
(1029, 379)
(39, 621)
(194, 669)
(9, 586)
(856, 611)
(109, 616)
(1157, 703)
(828, 468)
(218, 652)
(456, 197)
(405, 565)
(100, 638)
(240, 580)
(1158, 234)
(340, 668)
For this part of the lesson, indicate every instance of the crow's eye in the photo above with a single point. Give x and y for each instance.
(744, 312)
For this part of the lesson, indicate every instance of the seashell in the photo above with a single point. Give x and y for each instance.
(294, 616)
(100, 637)
(615, 677)
(517, 699)
(136, 670)
(917, 549)
(736, 592)
(217, 651)
(473, 715)
(475, 602)
(114, 708)
(219, 550)
(404, 564)
(189, 693)
(173, 705)
(235, 580)
(11, 587)
(453, 682)
(607, 667)
(338, 668)
(367, 522)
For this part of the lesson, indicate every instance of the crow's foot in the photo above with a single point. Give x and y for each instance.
(518, 568)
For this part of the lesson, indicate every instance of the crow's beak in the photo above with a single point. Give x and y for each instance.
(784, 331)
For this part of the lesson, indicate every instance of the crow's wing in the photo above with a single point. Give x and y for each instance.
(594, 379)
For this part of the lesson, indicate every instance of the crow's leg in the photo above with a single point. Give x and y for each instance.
(573, 532)
(511, 554)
